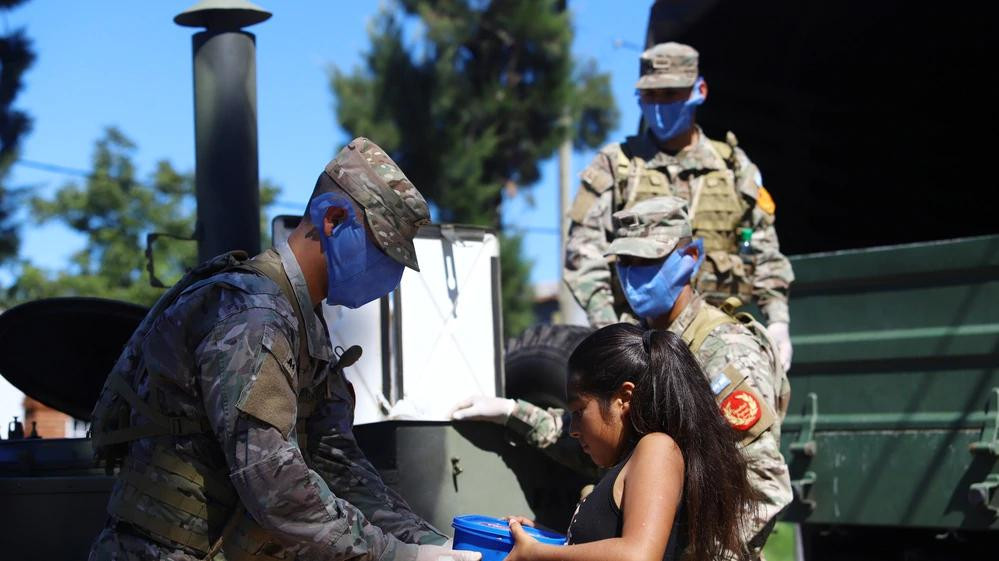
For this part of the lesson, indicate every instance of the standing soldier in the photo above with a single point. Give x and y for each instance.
(228, 414)
(729, 208)
(656, 261)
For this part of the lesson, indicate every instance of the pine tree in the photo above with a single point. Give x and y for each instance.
(472, 106)
(16, 56)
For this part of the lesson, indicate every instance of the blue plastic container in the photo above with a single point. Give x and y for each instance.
(491, 536)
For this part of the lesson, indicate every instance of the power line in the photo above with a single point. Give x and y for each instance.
(76, 172)
(54, 168)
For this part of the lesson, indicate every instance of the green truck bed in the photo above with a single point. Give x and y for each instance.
(895, 382)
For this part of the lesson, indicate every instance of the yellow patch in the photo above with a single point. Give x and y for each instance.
(765, 201)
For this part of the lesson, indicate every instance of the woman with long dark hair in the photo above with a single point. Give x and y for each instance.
(677, 483)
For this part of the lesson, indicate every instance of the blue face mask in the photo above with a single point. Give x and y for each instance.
(357, 270)
(652, 290)
(667, 120)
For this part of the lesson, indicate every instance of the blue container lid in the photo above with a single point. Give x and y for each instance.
(499, 529)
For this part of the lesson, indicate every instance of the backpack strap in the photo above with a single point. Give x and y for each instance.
(268, 264)
(726, 149)
(706, 320)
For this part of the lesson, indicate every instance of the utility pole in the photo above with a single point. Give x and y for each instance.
(565, 300)
(227, 175)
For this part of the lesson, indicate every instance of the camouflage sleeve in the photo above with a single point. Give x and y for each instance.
(335, 455)
(587, 273)
(251, 404)
(773, 276)
(768, 472)
(548, 430)
(540, 427)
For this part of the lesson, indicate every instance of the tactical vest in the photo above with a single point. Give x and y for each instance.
(232, 534)
(718, 210)
(707, 319)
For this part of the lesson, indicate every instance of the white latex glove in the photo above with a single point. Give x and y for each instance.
(405, 409)
(441, 553)
(482, 408)
(782, 338)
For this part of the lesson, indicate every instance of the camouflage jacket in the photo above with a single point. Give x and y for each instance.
(606, 188)
(213, 346)
(728, 345)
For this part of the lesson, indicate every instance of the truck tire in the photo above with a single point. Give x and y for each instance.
(536, 363)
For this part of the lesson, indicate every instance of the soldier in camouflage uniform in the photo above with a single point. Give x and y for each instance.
(734, 351)
(228, 412)
(673, 157)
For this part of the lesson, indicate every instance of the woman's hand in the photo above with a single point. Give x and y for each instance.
(524, 546)
(522, 519)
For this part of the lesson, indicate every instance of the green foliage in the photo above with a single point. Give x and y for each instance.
(16, 56)
(518, 312)
(471, 107)
(113, 211)
(9, 198)
(780, 544)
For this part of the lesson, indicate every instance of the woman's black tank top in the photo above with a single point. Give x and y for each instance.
(598, 518)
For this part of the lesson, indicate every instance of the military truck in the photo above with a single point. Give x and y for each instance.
(893, 432)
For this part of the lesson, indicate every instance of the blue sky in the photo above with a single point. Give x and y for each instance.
(125, 63)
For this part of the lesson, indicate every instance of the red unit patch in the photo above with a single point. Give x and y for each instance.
(741, 410)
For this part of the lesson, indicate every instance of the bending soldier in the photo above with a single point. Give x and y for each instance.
(729, 208)
(656, 261)
(228, 413)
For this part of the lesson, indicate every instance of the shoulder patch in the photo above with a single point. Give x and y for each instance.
(741, 405)
(271, 397)
(596, 179)
(765, 202)
(741, 410)
(595, 182)
(719, 383)
(584, 201)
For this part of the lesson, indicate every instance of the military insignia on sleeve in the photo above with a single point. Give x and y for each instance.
(719, 383)
(741, 410)
(765, 201)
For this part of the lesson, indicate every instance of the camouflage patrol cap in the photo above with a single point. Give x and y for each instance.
(668, 65)
(651, 228)
(395, 210)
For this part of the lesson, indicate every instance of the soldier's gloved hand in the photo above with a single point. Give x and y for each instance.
(482, 408)
(440, 553)
(778, 331)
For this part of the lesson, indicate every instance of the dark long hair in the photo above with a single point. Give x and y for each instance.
(672, 395)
